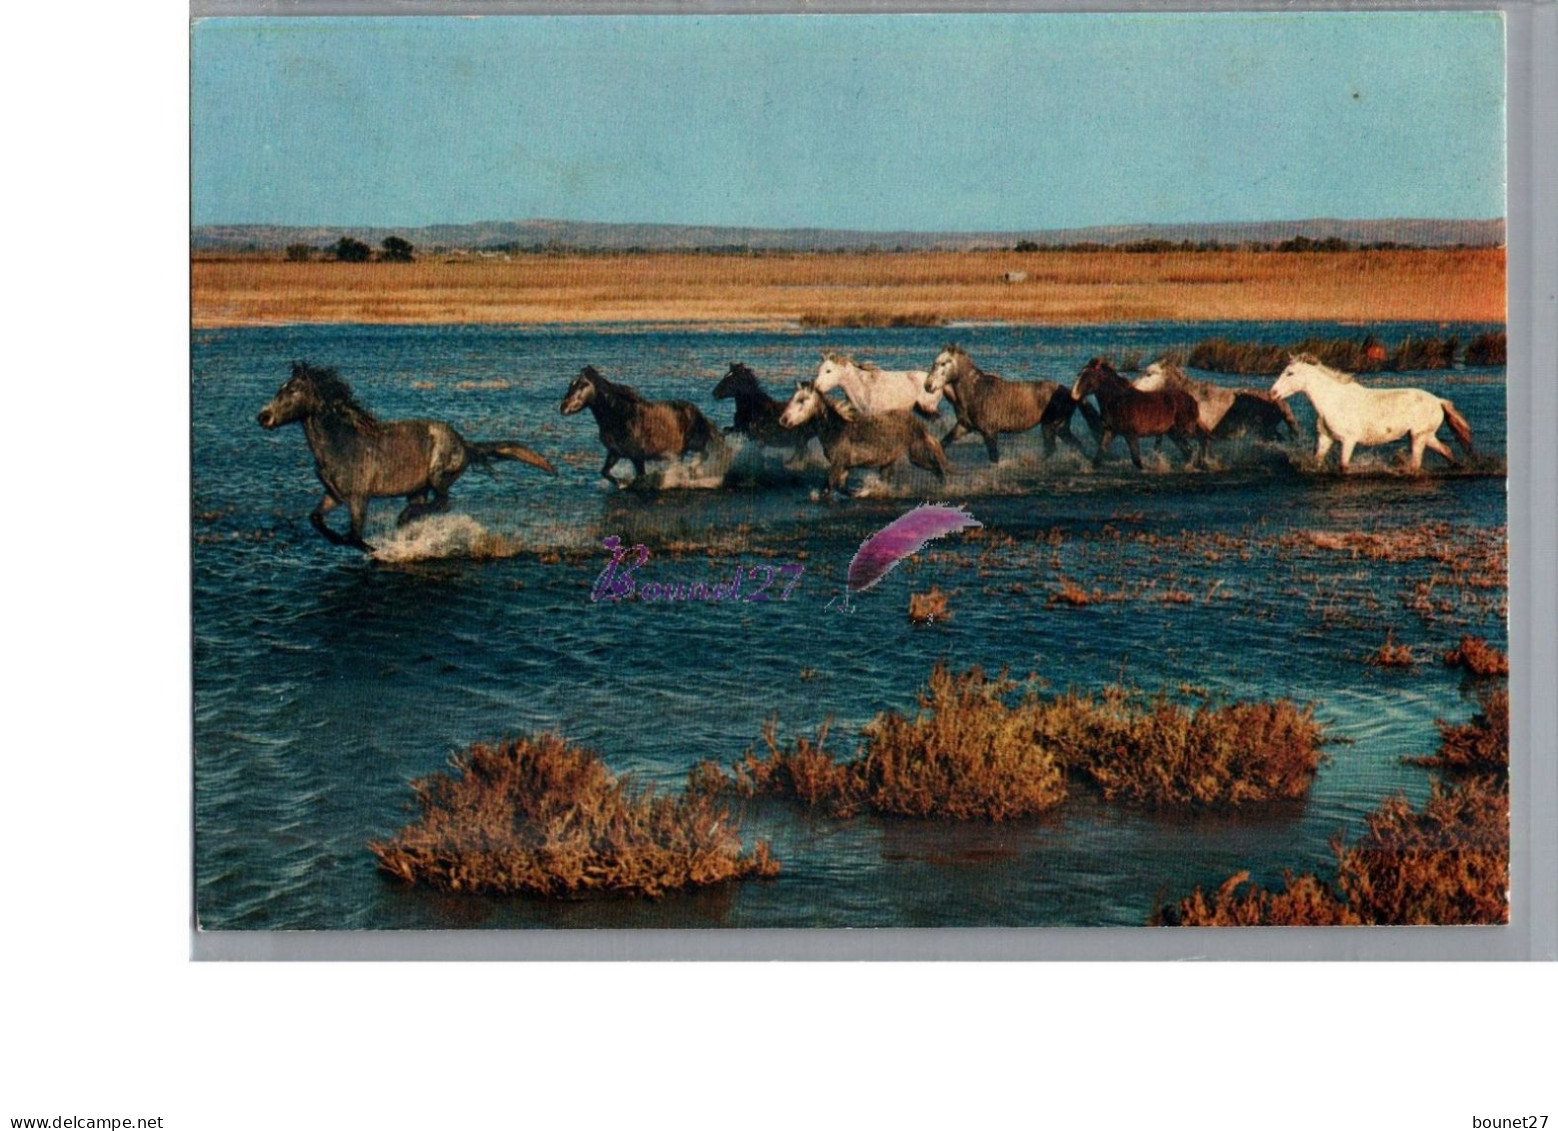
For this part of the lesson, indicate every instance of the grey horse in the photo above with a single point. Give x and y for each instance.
(359, 457)
(990, 404)
(867, 441)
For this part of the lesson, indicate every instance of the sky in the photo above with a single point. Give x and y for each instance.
(908, 122)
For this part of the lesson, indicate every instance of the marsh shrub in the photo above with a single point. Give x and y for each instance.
(1367, 355)
(1478, 657)
(1488, 349)
(536, 815)
(970, 752)
(1446, 863)
(1159, 752)
(1480, 746)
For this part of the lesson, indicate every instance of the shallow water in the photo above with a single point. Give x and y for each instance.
(325, 682)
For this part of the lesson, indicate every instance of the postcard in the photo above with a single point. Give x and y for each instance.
(959, 470)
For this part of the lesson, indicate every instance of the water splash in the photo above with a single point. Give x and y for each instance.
(442, 536)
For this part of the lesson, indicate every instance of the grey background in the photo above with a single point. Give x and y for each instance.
(1532, 40)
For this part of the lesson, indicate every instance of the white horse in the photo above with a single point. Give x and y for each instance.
(1353, 414)
(872, 389)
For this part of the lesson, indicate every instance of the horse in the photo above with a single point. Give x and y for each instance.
(634, 428)
(359, 457)
(872, 389)
(990, 404)
(1225, 413)
(866, 441)
(757, 413)
(1129, 412)
(1353, 414)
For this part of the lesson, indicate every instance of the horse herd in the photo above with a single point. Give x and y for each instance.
(880, 420)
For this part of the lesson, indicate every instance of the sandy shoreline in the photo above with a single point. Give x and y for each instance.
(779, 291)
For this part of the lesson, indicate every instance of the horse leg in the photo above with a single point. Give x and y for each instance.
(1323, 444)
(1135, 446)
(416, 507)
(838, 478)
(1438, 445)
(1347, 447)
(358, 505)
(317, 518)
(638, 468)
(611, 462)
(1206, 443)
(992, 447)
(1104, 439)
(955, 433)
(1179, 442)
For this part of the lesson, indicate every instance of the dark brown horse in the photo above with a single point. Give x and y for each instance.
(757, 413)
(634, 428)
(878, 440)
(1131, 413)
(990, 404)
(359, 457)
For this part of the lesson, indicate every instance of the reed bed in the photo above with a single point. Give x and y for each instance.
(1478, 657)
(538, 816)
(1062, 287)
(1488, 350)
(977, 750)
(1446, 863)
(1365, 355)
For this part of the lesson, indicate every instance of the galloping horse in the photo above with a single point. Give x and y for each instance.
(990, 404)
(634, 428)
(1353, 414)
(757, 413)
(866, 441)
(1129, 412)
(359, 457)
(872, 389)
(1225, 413)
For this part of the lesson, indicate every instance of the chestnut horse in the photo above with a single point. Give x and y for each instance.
(1131, 413)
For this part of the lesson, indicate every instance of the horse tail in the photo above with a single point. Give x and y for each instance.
(483, 453)
(699, 434)
(1458, 425)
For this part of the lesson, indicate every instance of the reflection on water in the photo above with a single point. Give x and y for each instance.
(326, 682)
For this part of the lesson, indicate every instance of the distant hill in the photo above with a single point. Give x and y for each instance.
(578, 235)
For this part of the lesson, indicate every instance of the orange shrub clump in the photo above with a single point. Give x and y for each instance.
(1480, 746)
(1446, 863)
(539, 816)
(1478, 657)
(969, 752)
(1161, 753)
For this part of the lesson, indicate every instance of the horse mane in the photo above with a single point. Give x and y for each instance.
(849, 359)
(627, 392)
(335, 395)
(1326, 370)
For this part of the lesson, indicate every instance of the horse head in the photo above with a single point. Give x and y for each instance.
(831, 372)
(297, 399)
(739, 379)
(1096, 374)
(806, 403)
(1294, 378)
(581, 392)
(950, 364)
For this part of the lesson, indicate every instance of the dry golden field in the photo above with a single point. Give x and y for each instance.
(1061, 287)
